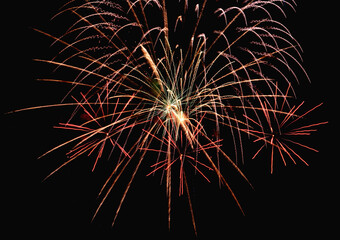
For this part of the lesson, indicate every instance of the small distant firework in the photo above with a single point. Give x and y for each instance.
(164, 77)
(278, 129)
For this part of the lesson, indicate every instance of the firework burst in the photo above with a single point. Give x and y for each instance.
(163, 77)
(278, 129)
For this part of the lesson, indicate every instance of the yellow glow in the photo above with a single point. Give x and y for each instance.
(178, 115)
(181, 117)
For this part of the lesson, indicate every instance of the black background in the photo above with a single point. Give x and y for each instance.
(296, 201)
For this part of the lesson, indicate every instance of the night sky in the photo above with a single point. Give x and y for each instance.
(295, 201)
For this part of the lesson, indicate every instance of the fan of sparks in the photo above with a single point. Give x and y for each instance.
(165, 83)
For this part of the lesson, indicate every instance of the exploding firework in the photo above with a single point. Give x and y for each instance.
(277, 129)
(162, 78)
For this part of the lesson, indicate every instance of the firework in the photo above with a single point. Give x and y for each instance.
(277, 129)
(164, 77)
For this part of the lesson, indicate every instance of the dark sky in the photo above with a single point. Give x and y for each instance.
(295, 201)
